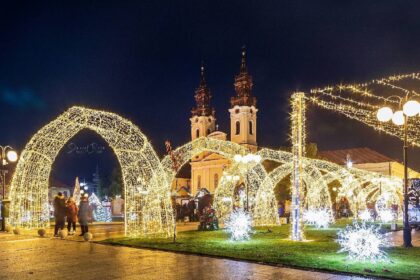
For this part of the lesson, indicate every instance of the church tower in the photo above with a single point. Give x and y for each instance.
(243, 111)
(203, 121)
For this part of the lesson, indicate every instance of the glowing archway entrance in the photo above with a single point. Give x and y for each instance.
(148, 209)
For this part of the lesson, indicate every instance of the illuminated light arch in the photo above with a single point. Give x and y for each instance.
(186, 152)
(148, 209)
(225, 190)
(317, 174)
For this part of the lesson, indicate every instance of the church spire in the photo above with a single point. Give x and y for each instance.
(243, 63)
(243, 86)
(202, 97)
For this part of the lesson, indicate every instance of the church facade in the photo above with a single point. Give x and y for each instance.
(207, 168)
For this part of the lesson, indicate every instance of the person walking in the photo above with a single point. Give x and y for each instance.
(72, 211)
(83, 214)
(59, 212)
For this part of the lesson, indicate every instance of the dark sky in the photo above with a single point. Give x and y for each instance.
(141, 59)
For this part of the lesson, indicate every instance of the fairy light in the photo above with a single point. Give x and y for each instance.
(238, 225)
(298, 151)
(363, 242)
(366, 215)
(358, 102)
(320, 218)
(140, 166)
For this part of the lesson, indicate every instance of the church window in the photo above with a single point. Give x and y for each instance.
(216, 180)
(238, 128)
(208, 131)
(250, 128)
(197, 133)
(237, 111)
(199, 181)
(209, 119)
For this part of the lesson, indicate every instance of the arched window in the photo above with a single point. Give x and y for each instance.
(208, 131)
(199, 182)
(216, 180)
(238, 128)
(197, 133)
(250, 128)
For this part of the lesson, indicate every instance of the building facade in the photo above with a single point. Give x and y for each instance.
(207, 168)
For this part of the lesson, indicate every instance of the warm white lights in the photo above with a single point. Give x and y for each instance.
(29, 187)
(398, 118)
(411, 108)
(384, 114)
(363, 242)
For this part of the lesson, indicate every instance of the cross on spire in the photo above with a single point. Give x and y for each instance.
(243, 62)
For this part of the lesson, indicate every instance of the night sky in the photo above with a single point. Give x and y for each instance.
(141, 59)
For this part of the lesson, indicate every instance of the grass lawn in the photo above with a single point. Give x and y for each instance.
(274, 248)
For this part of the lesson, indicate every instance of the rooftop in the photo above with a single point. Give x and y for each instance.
(357, 155)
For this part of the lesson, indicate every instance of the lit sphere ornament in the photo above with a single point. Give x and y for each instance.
(9, 228)
(384, 114)
(16, 231)
(386, 216)
(239, 225)
(363, 242)
(321, 218)
(366, 216)
(87, 236)
(41, 232)
(63, 233)
(398, 118)
(411, 108)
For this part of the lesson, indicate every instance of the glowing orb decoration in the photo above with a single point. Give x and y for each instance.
(239, 225)
(411, 108)
(363, 242)
(366, 216)
(384, 114)
(398, 118)
(386, 216)
(321, 218)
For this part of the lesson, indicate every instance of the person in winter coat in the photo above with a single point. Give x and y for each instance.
(72, 211)
(59, 212)
(83, 215)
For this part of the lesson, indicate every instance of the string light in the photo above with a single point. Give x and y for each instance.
(238, 225)
(147, 193)
(298, 150)
(360, 103)
(363, 242)
(321, 218)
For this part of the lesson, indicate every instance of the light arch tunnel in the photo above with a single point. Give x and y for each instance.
(317, 175)
(148, 209)
(147, 180)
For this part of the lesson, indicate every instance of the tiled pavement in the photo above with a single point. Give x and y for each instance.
(45, 258)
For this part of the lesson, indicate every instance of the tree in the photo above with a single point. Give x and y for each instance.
(116, 183)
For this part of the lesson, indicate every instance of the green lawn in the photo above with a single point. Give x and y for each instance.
(273, 247)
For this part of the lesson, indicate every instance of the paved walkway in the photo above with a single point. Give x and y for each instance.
(44, 258)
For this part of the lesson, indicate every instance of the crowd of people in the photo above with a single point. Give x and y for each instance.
(68, 210)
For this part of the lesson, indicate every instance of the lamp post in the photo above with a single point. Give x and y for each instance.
(410, 108)
(246, 162)
(7, 155)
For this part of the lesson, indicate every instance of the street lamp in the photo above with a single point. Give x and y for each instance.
(411, 108)
(246, 162)
(7, 155)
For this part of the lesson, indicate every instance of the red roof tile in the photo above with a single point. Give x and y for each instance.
(357, 155)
